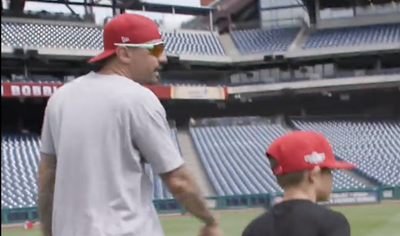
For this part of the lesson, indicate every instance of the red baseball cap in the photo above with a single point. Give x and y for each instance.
(303, 150)
(127, 29)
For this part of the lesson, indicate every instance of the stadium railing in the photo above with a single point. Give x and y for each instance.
(171, 206)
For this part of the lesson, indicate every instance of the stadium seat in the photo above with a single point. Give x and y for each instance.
(263, 41)
(374, 146)
(19, 162)
(17, 34)
(353, 36)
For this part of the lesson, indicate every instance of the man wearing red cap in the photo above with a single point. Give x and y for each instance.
(99, 131)
(302, 162)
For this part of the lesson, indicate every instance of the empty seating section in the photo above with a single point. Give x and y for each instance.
(264, 41)
(65, 36)
(234, 157)
(50, 36)
(19, 34)
(374, 146)
(19, 162)
(353, 36)
(193, 43)
(341, 181)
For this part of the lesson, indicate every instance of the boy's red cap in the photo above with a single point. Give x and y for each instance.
(303, 150)
(127, 29)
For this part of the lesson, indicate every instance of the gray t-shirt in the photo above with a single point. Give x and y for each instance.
(101, 128)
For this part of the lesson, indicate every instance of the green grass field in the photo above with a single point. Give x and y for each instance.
(372, 220)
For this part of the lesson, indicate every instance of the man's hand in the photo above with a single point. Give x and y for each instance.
(211, 230)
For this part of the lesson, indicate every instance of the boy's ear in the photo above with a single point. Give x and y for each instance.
(314, 174)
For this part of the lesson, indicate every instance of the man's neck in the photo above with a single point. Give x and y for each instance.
(112, 69)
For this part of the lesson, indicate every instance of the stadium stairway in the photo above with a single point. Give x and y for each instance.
(192, 161)
(228, 45)
(301, 38)
(303, 33)
(359, 178)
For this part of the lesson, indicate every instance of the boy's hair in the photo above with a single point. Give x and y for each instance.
(288, 179)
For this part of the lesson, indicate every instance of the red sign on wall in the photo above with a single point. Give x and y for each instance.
(47, 89)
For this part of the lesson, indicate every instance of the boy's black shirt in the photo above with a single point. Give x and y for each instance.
(299, 218)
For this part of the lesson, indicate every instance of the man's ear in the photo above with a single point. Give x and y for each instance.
(123, 54)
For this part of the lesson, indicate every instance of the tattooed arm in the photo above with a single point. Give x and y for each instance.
(184, 188)
(46, 181)
(47, 171)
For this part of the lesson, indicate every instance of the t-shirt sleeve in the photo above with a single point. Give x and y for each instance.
(152, 136)
(47, 140)
(338, 226)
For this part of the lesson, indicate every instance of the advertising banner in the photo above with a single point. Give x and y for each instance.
(352, 198)
(344, 198)
(387, 194)
(198, 92)
(47, 89)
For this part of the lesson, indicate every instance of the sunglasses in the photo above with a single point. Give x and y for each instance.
(155, 49)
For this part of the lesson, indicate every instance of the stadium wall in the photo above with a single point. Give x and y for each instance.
(285, 13)
(169, 206)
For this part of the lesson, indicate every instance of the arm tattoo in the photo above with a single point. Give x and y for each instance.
(185, 189)
(46, 181)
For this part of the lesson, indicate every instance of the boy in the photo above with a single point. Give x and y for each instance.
(302, 162)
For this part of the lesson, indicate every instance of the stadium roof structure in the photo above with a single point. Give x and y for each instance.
(228, 7)
(342, 3)
(140, 6)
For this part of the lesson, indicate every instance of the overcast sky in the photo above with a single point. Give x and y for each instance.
(171, 21)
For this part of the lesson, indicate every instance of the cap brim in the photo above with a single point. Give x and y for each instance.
(340, 165)
(102, 56)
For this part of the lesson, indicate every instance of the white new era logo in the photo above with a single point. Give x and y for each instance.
(124, 39)
(315, 158)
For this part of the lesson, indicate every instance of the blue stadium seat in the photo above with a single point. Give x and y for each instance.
(64, 36)
(263, 41)
(353, 36)
(374, 146)
(19, 163)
